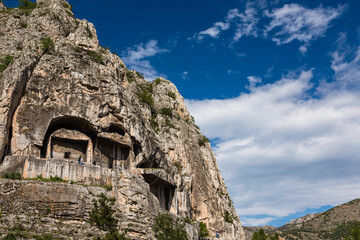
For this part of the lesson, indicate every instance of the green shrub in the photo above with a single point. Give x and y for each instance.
(353, 232)
(47, 44)
(88, 31)
(146, 97)
(166, 228)
(130, 76)
(27, 5)
(140, 75)
(157, 81)
(168, 123)
(259, 235)
(171, 94)
(146, 94)
(23, 25)
(5, 62)
(154, 124)
(166, 112)
(96, 57)
(68, 5)
(203, 231)
(275, 236)
(101, 214)
(228, 217)
(202, 140)
(51, 179)
(44, 237)
(179, 168)
(13, 176)
(9, 236)
(108, 187)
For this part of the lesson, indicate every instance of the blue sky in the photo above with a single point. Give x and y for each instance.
(274, 85)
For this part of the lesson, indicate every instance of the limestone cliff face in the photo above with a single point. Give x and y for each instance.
(78, 99)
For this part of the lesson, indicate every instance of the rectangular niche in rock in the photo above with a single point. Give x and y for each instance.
(163, 190)
(107, 152)
(68, 148)
(70, 144)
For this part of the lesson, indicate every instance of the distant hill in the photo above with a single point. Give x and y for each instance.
(332, 224)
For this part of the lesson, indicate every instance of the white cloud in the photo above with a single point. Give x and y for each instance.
(247, 24)
(253, 81)
(135, 56)
(288, 23)
(256, 221)
(214, 31)
(184, 75)
(295, 22)
(282, 151)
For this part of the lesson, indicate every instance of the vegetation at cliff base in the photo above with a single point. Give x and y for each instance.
(353, 232)
(167, 228)
(13, 176)
(261, 235)
(51, 179)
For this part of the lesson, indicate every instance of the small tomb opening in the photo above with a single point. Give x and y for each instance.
(163, 190)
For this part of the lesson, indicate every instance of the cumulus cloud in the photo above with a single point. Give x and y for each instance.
(295, 22)
(136, 58)
(282, 151)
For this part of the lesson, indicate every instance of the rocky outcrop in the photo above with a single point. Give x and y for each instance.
(77, 99)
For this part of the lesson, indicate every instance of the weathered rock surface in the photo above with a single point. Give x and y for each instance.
(79, 99)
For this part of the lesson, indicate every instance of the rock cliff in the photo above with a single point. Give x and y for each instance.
(63, 98)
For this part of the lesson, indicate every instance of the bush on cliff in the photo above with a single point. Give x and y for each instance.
(166, 228)
(26, 4)
(13, 176)
(102, 217)
(203, 231)
(47, 44)
(5, 62)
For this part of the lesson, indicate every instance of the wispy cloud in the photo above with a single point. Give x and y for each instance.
(277, 146)
(246, 26)
(295, 22)
(184, 75)
(136, 58)
(288, 23)
(214, 31)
